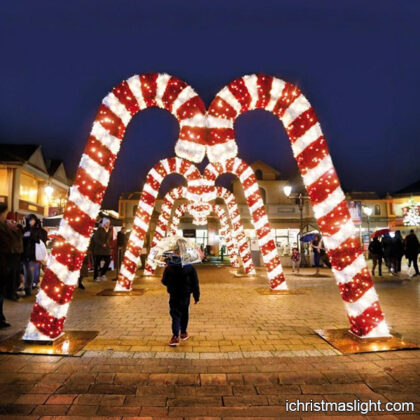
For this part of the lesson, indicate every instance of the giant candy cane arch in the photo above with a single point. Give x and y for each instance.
(321, 181)
(255, 203)
(145, 209)
(225, 228)
(118, 107)
(234, 215)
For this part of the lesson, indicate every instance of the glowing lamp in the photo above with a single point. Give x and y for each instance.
(287, 189)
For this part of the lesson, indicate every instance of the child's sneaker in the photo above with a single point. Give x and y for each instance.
(174, 341)
(184, 336)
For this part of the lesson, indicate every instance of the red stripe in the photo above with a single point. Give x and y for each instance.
(240, 92)
(100, 153)
(220, 135)
(174, 87)
(355, 289)
(147, 198)
(193, 134)
(241, 167)
(55, 289)
(251, 180)
(67, 254)
(153, 182)
(140, 233)
(345, 254)
(253, 198)
(46, 324)
(130, 266)
(289, 94)
(190, 108)
(124, 282)
(148, 88)
(277, 281)
(312, 155)
(264, 84)
(301, 124)
(80, 221)
(111, 122)
(323, 187)
(367, 321)
(332, 222)
(126, 97)
(89, 186)
(143, 215)
(222, 109)
(159, 168)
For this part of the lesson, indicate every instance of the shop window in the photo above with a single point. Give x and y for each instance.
(28, 190)
(263, 195)
(377, 211)
(259, 174)
(4, 184)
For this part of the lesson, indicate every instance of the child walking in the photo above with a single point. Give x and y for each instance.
(295, 257)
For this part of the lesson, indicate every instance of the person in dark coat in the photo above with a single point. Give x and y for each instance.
(5, 252)
(412, 249)
(101, 248)
(15, 259)
(181, 282)
(121, 245)
(33, 234)
(316, 249)
(397, 252)
(387, 250)
(376, 253)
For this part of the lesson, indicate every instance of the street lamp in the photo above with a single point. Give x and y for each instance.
(287, 190)
(368, 212)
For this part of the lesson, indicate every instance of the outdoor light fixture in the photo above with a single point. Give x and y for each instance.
(49, 190)
(367, 211)
(287, 189)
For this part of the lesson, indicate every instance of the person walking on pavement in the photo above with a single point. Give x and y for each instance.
(121, 245)
(316, 248)
(101, 244)
(376, 253)
(15, 259)
(5, 251)
(181, 282)
(387, 250)
(412, 249)
(397, 251)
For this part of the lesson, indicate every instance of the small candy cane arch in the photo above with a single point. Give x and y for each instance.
(145, 209)
(319, 177)
(117, 109)
(256, 207)
(225, 228)
(234, 215)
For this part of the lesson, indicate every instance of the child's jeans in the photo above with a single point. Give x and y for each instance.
(295, 265)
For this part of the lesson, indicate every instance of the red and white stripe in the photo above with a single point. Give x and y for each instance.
(145, 209)
(320, 179)
(255, 203)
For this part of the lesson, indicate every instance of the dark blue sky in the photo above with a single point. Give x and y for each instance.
(358, 63)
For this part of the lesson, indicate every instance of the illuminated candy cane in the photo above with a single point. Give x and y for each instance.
(145, 209)
(255, 203)
(319, 177)
(118, 107)
(234, 216)
(225, 228)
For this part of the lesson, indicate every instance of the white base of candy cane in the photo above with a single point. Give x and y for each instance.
(191, 151)
(32, 334)
(381, 330)
(119, 288)
(281, 286)
(219, 152)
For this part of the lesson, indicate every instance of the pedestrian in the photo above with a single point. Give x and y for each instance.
(387, 251)
(397, 252)
(180, 281)
(376, 253)
(295, 258)
(121, 245)
(316, 249)
(5, 251)
(101, 244)
(15, 259)
(33, 235)
(222, 253)
(412, 249)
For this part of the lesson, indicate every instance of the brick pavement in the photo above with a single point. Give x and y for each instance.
(248, 354)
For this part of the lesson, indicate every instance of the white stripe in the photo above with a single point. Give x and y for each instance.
(315, 173)
(264, 240)
(126, 273)
(217, 122)
(33, 334)
(297, 107)
(227, 96)
(347, 273)
(120, 288)
(159, 231)
(246, 174)
(135, 240)
(358, 307)
(306, 139)
(256, 206)
(237, 162)
(131, 257)
(113, 103)
(74, 238)
(140, 223)
(165, 164)
(329, 204)
(223, 151)
(251, 189)
(271, 255)
(191, 170)
(148, 188)
(381, 330)
(236, 220)
(84, 203)
(275, 93)
(156, 175)
(346, 231)
(251, 85)
(96, 171)
(247, 263)
(276, 271)
(261, 223)
(135, 87)
(198, 120)
(54, 308)
(195, 183)
(213, 170)
(161, 83)
(68, 277)
(184, 96)
(108, 140)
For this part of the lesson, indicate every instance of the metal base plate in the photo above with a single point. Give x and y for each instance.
(348, 343)
(68, 344)
(267, 291)
(112, 292)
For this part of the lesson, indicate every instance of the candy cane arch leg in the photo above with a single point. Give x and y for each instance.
(255, 203)
(145, 209)
(319, 177)
(92, 177)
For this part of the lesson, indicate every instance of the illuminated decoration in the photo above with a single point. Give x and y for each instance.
(238, 232)
(225, 229)
(256, 207)
(412, 217)
(319, 177)
(118, 107)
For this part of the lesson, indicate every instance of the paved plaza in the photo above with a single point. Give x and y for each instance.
(248, 353)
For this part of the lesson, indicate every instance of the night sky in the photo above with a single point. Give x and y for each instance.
(357, 62)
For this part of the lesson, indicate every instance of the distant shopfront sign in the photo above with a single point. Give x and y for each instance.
(355, 208)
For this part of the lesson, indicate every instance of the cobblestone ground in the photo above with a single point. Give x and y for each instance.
(249, 353)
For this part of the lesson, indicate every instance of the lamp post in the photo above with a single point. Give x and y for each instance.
(287, 189)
